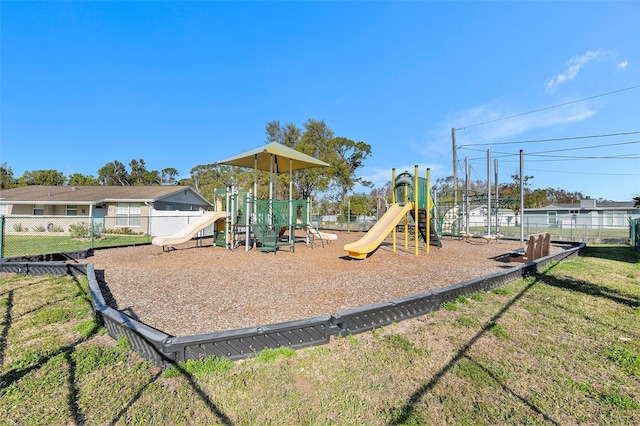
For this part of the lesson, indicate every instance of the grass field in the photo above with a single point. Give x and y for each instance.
(25, 245)
(561, 347)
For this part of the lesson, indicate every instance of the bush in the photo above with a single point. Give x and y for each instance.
(83, 230)
(79, 230)
(19, 228)
(39, 228)
(55, 228)
(122, 231)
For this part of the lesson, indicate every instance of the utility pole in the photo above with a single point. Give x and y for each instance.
(521, 196)
(489, 192)
(495, 169)
(455, 161)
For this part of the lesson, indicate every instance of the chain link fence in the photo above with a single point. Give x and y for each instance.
(34, 235)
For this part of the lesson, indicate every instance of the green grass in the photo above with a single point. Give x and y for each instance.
(23, 245)
(560, 347)
(566, 232)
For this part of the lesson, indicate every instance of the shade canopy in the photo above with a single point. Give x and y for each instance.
(285, 159)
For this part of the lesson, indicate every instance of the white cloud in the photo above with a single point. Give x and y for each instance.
(574, 65)
(623, 65)
(497, 129)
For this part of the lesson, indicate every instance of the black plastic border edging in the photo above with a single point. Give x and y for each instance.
(164, 349)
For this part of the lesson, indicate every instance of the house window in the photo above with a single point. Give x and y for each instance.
(38, 210)
(128, 214)
(168, 207)
(72, 210)
(551, 218)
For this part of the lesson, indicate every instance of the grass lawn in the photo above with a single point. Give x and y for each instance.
(561, 347)
(24, 245)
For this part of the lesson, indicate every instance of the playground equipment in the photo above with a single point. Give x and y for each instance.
(189, 231)
(268, 220)
(241, 215)
(537, 247)
(262, 224)
(416, 202)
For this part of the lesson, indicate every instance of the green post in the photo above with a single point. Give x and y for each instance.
(1, 236)
(571, 232)
(92, 231)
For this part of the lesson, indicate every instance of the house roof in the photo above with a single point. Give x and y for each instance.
(37, 194)
(604, 205)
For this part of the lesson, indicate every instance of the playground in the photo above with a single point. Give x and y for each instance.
(194, 283)
(203, 289)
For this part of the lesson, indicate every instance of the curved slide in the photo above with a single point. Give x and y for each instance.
(379, 231)
(190, 230)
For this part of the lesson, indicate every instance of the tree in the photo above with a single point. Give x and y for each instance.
(511, 191)
(348, 157)
(42, 177)
(558, 195)
(140, 176)
(78, 179)
(206, 178)
(6, 177)
(359, 204)
(168, 176)
(637, 201)
(315, 141)
(114, 173)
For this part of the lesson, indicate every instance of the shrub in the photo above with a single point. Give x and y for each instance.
(55, 228)
(83, 230)
(19, 228)
(79, 230)
(39, 228)
(122, 231)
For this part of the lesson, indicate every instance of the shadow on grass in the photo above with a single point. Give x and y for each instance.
(407, 410)
(617, 253)
(16, 374)
(6, 325)
(594, 290)
(135, 398)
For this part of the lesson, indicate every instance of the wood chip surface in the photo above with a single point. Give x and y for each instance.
(195, 290)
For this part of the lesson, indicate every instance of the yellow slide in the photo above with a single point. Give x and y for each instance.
(189, 231)
(379, 231)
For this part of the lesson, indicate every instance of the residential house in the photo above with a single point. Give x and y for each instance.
(133, 207)
(587, 213)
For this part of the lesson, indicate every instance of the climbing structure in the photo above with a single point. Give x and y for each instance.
(410, 198)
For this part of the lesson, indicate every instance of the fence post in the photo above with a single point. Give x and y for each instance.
(1, 236)
(571, 234)
(92, 230)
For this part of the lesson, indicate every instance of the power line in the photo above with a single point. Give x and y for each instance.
(509, 154)
(585, 147)
(576, 157)
(548, 140)
(550, 107)
(585, 173)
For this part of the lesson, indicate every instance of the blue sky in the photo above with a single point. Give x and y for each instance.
(185, 83)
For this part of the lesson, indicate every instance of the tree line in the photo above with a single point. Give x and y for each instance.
(315, 138)
(329, 186)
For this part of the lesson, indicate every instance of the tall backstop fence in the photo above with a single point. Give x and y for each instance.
(165, 349)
